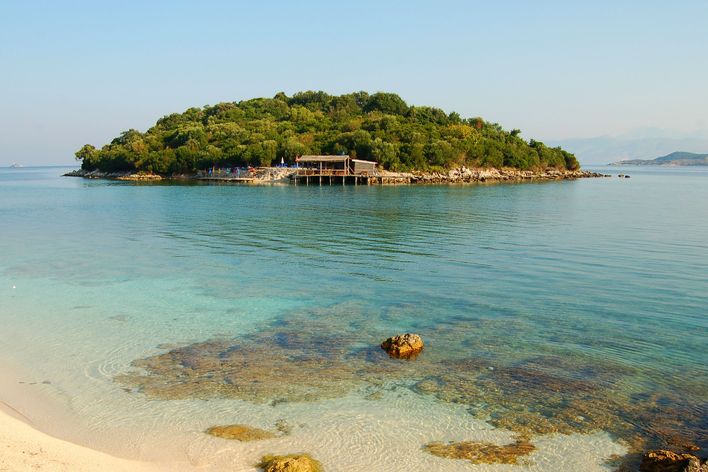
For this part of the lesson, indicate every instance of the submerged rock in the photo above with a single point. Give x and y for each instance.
(481, 452)
(290, 463)
(403, 345)
(667, 461)
(283, 426)
(240, 432)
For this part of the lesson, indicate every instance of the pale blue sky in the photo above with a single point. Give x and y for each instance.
(78, 72)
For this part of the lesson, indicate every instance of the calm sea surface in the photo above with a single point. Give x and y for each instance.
(570, 314)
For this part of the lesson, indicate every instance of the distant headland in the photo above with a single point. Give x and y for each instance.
(673, 159)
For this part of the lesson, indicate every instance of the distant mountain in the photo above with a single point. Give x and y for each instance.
(643, 143)
(673, 159)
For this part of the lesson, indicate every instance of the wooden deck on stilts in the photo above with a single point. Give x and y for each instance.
(349, 179)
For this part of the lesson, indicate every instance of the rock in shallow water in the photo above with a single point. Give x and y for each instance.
(482, 453)
(403, 345)
(290, 463)
(667, 461)
(239, 432)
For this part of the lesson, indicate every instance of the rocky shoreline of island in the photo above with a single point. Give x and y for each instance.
(269, 175)
(472, 175)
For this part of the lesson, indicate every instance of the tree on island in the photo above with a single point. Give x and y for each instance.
(261, 131)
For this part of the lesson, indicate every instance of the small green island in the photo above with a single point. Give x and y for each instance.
(412, 143)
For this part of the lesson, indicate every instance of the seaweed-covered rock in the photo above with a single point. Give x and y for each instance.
(481, 452)
(667, 461)
(239, 432)
(290, 463)
(403, 345)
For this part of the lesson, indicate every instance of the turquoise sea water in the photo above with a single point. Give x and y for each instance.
(573, 313)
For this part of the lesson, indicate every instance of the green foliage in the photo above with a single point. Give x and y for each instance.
(261, 131)
(87, 154)
(387, 103)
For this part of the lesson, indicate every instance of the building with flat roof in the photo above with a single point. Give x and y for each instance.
(334, 165)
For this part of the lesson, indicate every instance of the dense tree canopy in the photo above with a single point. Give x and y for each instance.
(261, 131)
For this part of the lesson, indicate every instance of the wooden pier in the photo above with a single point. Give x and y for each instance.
(306, 178)
(312, 170)
(339, 170)
(334, 179)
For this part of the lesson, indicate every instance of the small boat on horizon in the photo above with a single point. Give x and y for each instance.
(15, 165)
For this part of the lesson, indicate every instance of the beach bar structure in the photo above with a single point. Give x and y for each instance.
(329, 170)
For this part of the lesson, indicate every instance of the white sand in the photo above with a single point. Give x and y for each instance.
(24, 448)
(349, 434)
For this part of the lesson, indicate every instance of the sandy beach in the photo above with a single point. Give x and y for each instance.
(24, 448)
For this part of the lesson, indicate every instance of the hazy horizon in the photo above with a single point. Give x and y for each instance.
(83, 73)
